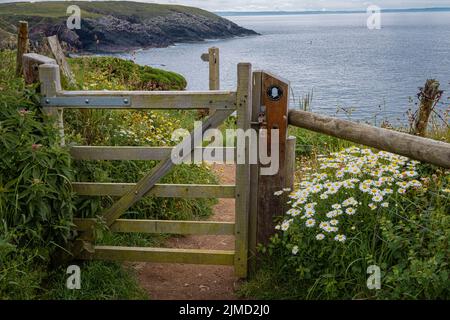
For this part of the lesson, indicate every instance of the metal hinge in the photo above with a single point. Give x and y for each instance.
(86, 102)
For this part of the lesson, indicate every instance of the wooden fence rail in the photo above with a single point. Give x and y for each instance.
(414, 147)
(142, 100)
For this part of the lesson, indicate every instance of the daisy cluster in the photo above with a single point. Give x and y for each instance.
(350, 183)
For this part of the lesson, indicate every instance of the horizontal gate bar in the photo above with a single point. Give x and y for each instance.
(163, 226)
(161, 255)
(160, 190)
(142, 100)
(145, 153)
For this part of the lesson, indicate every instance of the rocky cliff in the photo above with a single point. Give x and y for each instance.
(112, 26)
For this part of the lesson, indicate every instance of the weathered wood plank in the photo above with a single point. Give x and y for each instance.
(136, 153)
(214, 68)
(31, 63)
(60, 58)
(160, 190)
(161, 255)
(244, 110)
(149, 99)
(163, 226)
(276, 107)
(414, 147)
(254, 177)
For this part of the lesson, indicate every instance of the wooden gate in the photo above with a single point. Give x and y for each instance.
(221, 105)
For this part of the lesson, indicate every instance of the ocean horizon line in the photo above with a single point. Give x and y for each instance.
(307, 12)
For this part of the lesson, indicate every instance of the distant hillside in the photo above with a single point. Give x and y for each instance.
(117, 25)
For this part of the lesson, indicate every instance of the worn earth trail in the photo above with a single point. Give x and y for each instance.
(195, 282)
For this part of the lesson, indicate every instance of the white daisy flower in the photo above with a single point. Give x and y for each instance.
(334, 222)
(285, 225)
(320, 236)
(310, 223)
(340, 238)
(377, 198)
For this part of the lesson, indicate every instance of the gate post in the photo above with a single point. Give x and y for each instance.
(270, 111)
(50, 79)
(244, 105)
(214, 70)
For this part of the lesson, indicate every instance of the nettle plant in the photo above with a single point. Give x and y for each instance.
(335, 225)
(35, 173)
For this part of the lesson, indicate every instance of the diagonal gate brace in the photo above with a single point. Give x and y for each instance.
(136, 193)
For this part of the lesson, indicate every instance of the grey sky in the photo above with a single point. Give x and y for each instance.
(264, 5)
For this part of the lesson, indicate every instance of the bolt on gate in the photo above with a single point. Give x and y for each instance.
(260, 101)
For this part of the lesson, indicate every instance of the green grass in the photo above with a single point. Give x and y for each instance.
(119, 74)
(100, 280)
(57, 10)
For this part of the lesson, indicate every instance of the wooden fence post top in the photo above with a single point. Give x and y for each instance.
(39, 58)
(31, 63)
(50, 79)
(275, 76)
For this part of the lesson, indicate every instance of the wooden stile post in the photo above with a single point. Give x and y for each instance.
(22, 45)
(254, 176)
(244, 106)
(50, 79)
(290, 162)
(58, 54)
(214, 69)
(273, 115)
(212, 57)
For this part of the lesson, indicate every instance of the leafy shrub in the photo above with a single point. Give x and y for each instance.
(35, 194)
(35, 172)
(113, 73)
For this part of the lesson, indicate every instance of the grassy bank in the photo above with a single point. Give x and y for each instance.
(37, 204)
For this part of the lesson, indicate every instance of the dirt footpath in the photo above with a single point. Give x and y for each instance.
(195, 282)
